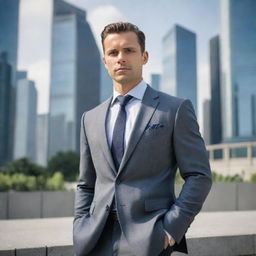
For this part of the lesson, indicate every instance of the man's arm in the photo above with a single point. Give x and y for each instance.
(193, 164)
(85, 187)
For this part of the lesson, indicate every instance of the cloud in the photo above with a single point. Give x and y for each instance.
(34, 31)
(101, 16)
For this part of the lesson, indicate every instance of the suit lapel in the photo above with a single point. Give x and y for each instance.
(148, 106)
(103, 135)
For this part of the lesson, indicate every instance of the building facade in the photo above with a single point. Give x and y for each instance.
(106, 83)
(42, 139)
(5, 108)
(179, 76)
(155, 81)
(207, 121)
(25, 123)
(75, 76)
(9, 18)
(215, 114)
(238, 69)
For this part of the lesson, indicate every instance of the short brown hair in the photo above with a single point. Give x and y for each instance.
(120, 27)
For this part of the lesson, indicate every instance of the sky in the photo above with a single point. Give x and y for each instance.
(154, 18)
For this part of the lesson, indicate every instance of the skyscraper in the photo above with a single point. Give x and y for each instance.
(155, 81)
(9, 17)
(238, 69)
(25, 123)
(207, 121)
(106, 84)
(75, 76)
(215, 114)
(5, 107)
(179, 76)
(41, 139)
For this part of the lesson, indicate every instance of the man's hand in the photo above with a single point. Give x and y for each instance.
(166, 242)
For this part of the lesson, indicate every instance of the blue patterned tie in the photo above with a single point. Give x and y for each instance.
(117, 148)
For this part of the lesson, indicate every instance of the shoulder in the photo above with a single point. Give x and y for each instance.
(169, 101)
(94, 112)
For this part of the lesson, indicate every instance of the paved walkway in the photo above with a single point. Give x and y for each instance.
(53, 232)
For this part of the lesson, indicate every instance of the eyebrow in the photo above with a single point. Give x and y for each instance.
(126, 47)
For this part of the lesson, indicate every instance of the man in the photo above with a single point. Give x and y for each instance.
(131, 146)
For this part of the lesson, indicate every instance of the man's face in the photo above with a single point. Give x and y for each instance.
(123, 58)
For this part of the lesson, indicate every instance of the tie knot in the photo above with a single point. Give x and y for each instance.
(123, 100)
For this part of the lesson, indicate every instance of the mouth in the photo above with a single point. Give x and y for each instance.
(122, 69)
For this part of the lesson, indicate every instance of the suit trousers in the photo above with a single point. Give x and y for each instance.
(113, 243)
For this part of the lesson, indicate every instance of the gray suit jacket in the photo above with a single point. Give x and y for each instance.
(165, 136)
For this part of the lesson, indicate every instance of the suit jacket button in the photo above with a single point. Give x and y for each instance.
(107, 208)
(118, 182)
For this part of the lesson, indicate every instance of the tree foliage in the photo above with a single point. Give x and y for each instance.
(24, 166)
(65, 162)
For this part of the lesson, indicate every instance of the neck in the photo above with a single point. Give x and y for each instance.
(125, 88)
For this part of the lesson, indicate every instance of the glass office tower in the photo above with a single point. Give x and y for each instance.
(25, 123)
(207, 121)
(179, 76)
(106, 83)
(41, 139)
(238, 71)
(155, 81)
(75, 76)
(5, 103)
(9, 17)
(215, 113)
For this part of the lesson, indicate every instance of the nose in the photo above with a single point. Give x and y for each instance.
(121, 57)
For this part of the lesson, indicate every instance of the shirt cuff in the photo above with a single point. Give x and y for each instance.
(170, 238)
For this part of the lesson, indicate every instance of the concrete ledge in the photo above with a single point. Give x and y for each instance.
(211, 234)
(3, 205)
(221, 246)
(46, 204)
(57, 204)
(24, 205)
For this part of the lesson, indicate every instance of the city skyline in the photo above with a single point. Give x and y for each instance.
(75, 66)
(99, 14)
(238, 65)
(179, 76)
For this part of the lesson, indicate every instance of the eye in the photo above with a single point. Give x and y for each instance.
(112, 53)
(128, 50)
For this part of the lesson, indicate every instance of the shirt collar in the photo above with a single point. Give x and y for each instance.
(137, 92)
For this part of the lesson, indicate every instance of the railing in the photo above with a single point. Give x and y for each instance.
(233, 158)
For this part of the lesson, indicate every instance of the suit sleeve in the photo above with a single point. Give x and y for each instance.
(85, 188)
(193, 163)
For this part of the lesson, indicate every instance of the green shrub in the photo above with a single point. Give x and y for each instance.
(216, 177)
(56, 182)
(21, 182)
(5, 182)
(253, 178)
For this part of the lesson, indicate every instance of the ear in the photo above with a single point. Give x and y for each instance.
(104, 61)
(145, 57)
